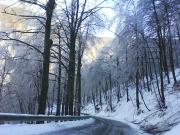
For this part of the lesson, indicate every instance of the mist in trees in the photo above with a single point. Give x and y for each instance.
(43, 66)
(141, 57)
(41, 69)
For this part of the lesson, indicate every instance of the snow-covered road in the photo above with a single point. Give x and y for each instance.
(99, 127)
(92, 126)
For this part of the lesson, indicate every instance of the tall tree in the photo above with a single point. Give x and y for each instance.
(77, 13)
(46, 57)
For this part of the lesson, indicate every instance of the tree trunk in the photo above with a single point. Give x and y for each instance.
(110, 92)
(64, 109)
(94, 100)
(78, 84)
(137, 90)
(146, 71)
(71, 76)
(162, 82)
(59, 83)
(127, 91)
(46, 58)
(170, 46)
(160, 45)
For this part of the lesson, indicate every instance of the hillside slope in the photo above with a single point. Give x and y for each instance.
(154, 121)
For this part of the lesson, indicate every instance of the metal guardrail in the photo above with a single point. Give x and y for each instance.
(33, 118)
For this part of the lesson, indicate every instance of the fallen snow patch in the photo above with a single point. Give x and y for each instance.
(35, 129)
(126, 111)
(174, 131)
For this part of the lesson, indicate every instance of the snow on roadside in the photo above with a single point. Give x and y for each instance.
(126, 111)
(174, 131)
(35, 129)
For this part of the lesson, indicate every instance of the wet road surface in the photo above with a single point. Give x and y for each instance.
(99, 127)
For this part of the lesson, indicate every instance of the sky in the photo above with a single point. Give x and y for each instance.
(108, 11)
(105, 34)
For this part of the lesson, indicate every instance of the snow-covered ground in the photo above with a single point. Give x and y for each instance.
(174, 131)
(126, 111)
(36, 129)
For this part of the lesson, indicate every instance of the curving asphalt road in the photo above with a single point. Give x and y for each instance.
(101, 126)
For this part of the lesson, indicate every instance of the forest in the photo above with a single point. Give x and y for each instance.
(53, 62)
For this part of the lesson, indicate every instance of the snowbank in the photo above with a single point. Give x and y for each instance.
(174, 131)
(35, 129)
(126, 111)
